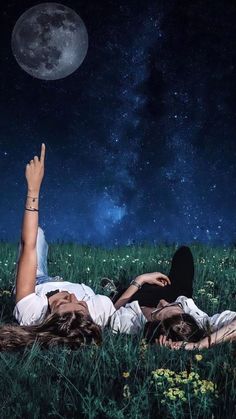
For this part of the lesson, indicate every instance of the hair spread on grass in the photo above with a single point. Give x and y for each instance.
(72, 329)
(181, 327)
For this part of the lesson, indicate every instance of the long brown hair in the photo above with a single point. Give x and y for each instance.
(179, 327)
(72, 329)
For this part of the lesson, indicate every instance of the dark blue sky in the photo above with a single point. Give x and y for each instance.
(140, 139)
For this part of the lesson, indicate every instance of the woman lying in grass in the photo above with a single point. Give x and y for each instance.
(168, 311)
(49, 309)
(72, 314)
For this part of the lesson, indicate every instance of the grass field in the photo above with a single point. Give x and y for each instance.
(124, 378)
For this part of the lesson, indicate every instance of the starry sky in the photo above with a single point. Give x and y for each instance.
(140, 139)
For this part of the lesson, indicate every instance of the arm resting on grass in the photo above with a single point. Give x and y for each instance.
(224, 334)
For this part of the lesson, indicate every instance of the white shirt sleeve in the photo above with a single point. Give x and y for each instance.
(215, 322)
(100, 308)
(31, 310)
(128, 319)
(190, 307)
(221, 319)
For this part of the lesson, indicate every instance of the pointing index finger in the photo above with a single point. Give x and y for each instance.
(42, 156)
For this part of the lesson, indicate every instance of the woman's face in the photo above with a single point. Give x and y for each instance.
(63, 301)
(165, 310)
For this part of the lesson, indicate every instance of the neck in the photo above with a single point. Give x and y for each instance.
(147, 312)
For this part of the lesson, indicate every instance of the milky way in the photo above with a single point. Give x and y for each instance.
(140, 140)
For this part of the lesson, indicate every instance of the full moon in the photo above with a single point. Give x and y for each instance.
(49, 41)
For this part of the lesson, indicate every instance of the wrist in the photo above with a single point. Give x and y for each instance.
(139, 280)
(136, 283)
(33, 191)
(204, 344)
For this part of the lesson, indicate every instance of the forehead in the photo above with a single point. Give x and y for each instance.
(174, 306)
(169, 306)
(63, 308)
(62, 293)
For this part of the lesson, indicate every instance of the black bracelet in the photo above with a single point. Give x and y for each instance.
(34, 209)
(136, 284)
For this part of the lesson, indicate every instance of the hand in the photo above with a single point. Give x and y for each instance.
(189, 346)
(163, 341)
(155, 278)
(34, 171)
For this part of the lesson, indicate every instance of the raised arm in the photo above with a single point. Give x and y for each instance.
(27, 266)
(156, 278)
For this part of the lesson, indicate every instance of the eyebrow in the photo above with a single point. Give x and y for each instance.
(157, 310)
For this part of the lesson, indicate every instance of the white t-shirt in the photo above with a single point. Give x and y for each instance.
(130, 319)
(32, 309)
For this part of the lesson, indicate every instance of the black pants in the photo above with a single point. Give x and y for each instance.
(181, 275)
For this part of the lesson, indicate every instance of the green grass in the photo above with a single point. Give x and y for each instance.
(121, 379)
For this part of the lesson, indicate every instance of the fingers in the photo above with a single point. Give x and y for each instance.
(164, 341)
(35, 160)
(177, 345)
(161, 283)
(163, 278)
(42, 156)
(161, 339)
(156, 278)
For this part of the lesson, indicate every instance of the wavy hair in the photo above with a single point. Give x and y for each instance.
(179, 327)
(72, 329)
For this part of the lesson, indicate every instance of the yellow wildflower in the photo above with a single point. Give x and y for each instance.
(126, 374)
(193, 376)
(198, 357)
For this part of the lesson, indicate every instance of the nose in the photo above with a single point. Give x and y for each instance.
(163, 303)
(73, 298)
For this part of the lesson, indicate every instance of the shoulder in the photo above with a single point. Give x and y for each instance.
(100, 308)
(31, 309)
(128, 319)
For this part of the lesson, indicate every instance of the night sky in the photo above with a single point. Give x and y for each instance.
(140, 140)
